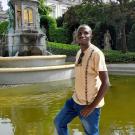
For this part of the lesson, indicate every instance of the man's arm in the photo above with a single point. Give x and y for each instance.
(103, 75)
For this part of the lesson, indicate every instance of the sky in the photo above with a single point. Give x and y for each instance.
(4, 4)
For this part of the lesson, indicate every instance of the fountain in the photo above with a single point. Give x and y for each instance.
(27, 59)
(25, 36)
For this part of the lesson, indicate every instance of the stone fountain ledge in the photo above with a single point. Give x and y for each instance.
(32, 57)
(31, 69)
(28, 75)
(121, 69)
(32, 61)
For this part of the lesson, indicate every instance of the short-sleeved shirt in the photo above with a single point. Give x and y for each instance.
(96, 64)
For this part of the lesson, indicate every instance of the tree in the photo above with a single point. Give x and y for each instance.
(118, 11)
(90, 14)
(43, 9)
(3, 27)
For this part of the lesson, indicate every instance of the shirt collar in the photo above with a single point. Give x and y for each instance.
(87, 50)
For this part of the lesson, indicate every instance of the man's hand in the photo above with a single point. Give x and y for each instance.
(86, 111)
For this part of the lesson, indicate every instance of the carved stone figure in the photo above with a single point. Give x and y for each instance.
(74, 38)
(107, 39)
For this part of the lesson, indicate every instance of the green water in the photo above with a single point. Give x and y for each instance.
(30, 109)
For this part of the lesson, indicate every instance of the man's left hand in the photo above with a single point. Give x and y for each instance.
(86, 111)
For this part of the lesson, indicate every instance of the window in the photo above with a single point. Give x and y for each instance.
(28, 16)
(19, 20)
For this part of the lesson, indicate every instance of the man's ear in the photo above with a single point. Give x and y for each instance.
(77, 40)
(91, 37)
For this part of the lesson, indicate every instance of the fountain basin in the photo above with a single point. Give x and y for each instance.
(36, 74)
(32, 61)
(121, 69)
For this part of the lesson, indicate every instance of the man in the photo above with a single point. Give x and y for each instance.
(91, 82)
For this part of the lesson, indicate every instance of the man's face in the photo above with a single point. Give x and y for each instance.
(84, 35)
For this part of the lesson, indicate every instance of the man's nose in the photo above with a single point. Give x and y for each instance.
(82, 35)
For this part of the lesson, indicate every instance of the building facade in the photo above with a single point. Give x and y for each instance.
(3, 14)
(59, 7)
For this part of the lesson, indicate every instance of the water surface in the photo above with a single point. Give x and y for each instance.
(30, 109)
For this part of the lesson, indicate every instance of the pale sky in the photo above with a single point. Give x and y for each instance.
(4, 4)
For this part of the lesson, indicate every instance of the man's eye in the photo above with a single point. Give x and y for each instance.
(86, 33)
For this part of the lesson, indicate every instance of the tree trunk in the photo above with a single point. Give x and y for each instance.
(124, 43)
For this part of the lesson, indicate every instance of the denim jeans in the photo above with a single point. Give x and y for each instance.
(70, 111)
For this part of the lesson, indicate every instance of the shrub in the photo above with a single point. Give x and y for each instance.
(64, 49)
(59, 21)
(59, 35)
(119, 57)
(3, 27)
(111, 56)
(54, 33)
(47, 22)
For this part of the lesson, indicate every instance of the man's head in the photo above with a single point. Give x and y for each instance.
(84, 34)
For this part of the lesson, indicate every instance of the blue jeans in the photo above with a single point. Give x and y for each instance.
(70, 111)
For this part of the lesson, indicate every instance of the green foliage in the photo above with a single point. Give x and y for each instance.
(85, 14)
(71, 16)
(43, 9)
(116, 15)
(47, 22)
(49, 25)
(59, 21)
(54, 33)
(110, 56)
(95, 16)
(58, 34)
(119, 57)
(131, 39)
(65, 49)
(96, 33)
(3, 27)
(100, 16)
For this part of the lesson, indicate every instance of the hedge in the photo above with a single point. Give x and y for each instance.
(119, 57)
(3, 27)
(52, 31)
(59, 48)
(112, 56)
(58, 34)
